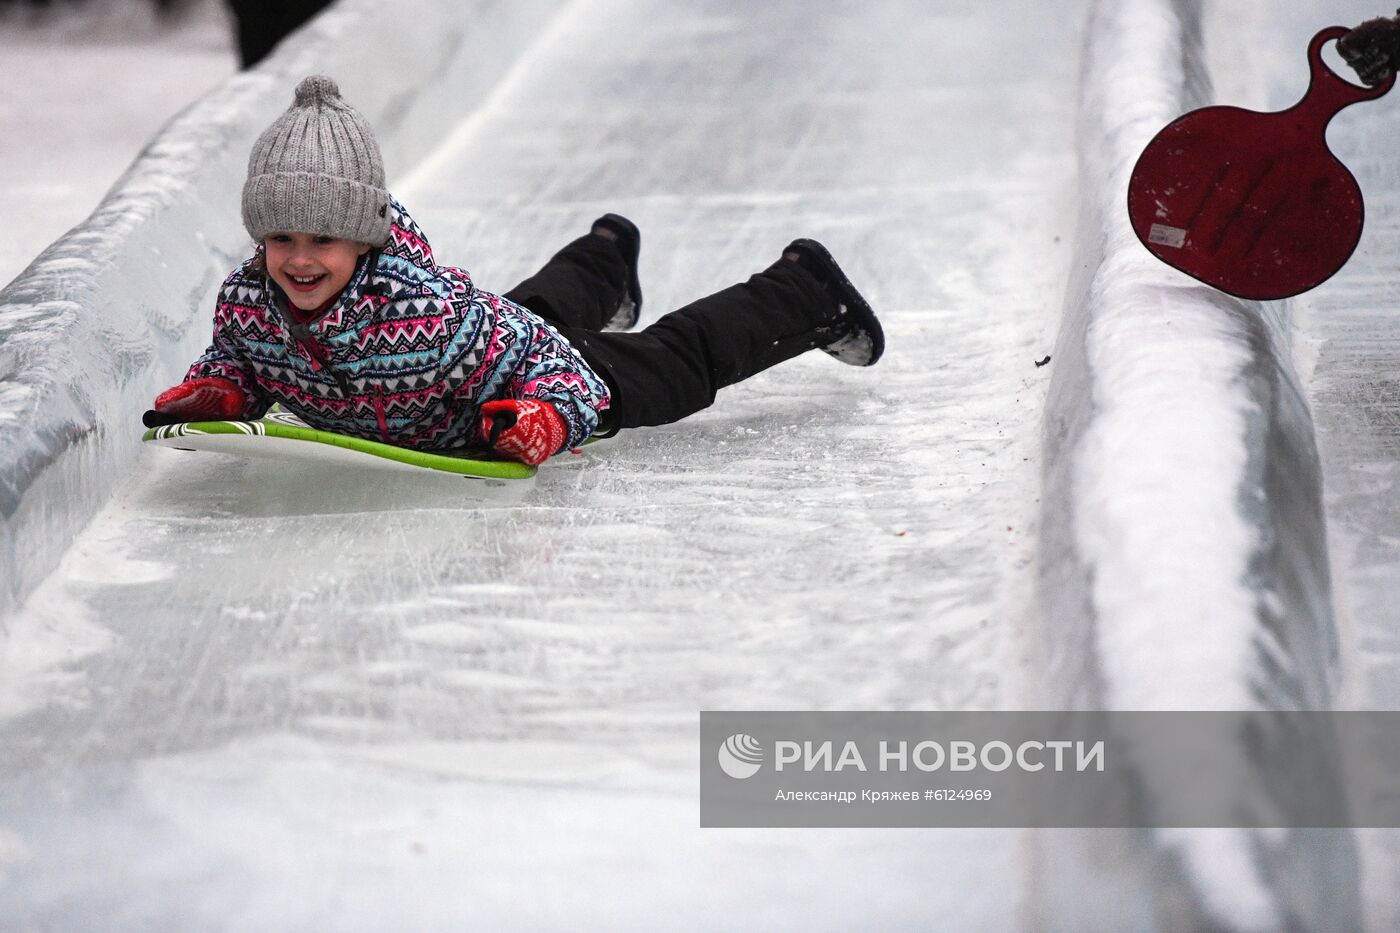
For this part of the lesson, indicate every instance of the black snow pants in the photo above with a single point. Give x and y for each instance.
(674, 367)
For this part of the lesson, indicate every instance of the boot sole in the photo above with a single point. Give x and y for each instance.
(629, 243)
(866, 344)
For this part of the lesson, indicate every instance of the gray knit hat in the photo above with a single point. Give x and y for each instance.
(317, 169)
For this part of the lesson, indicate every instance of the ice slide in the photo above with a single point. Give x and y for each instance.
(240, 697)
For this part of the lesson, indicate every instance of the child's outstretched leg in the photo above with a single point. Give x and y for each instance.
(590, 284)
(675, 367)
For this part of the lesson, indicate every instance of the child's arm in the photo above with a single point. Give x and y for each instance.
(214, 389)
(221, 365)
(551, 373)
(219, 385)
(523, 429)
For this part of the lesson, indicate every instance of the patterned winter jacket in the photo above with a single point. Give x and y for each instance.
(409, 351)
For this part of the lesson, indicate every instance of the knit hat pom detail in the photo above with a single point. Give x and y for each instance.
(318, 90)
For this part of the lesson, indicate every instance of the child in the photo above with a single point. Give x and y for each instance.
(1372, 49)
(343, 316)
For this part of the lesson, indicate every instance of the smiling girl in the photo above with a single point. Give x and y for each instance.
(343, 316)
(310, 268)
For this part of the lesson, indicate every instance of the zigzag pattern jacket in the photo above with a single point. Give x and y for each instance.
(407, 354)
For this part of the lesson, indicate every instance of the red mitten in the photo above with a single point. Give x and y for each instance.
(211, 398)
(526, 430)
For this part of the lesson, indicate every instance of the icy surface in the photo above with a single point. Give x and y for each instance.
(253, 698)
(403, 688)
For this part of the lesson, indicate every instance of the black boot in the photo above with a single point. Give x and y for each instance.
(861, 339)
(628, 238)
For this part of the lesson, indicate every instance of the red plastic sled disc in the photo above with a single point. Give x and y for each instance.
(1254, 204)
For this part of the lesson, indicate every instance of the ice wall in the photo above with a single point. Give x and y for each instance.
(1183, 550)
(114, 311)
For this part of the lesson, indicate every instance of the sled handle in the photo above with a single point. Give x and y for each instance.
(157, 419)
(1328, 90)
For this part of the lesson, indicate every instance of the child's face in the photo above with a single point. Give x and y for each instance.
(311, 269)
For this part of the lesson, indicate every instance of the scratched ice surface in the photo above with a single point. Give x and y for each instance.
(374, 700)
(291, 701)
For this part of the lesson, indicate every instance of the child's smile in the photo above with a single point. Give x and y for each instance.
(311, 269)
(306, 284)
